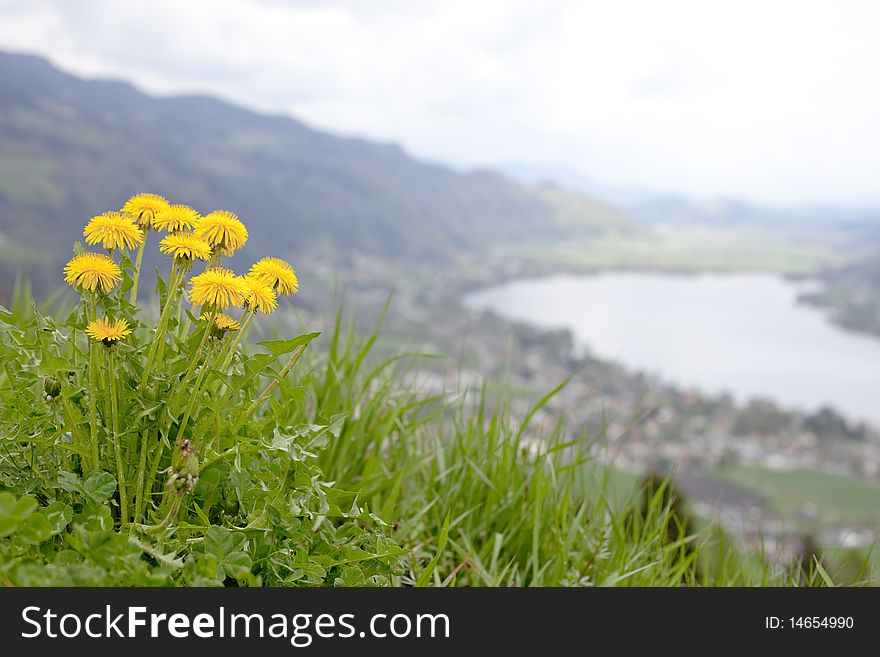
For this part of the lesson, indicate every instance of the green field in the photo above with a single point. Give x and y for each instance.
(832, 498)
(690, 250)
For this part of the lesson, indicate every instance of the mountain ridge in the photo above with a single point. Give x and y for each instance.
(71, 148)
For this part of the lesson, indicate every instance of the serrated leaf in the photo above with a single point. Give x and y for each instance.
(281, 347)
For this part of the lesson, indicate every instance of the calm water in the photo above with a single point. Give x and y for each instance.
(740, 333)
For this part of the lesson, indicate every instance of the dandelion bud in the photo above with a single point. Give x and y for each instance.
(52, 387)
(184, 468)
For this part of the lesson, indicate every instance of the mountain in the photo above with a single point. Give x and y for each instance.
(569, 178)
(680, 210)
(71, 148)
(650, 208)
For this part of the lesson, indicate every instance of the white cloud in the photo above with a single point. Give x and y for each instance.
(771, 100)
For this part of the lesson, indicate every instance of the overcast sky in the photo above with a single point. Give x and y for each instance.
(771, 100)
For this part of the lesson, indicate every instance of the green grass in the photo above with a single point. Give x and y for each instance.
(480, 497)
(833, 498)
(16, 256)
(473, 493)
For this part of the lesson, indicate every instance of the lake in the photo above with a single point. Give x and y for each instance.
(745, 334)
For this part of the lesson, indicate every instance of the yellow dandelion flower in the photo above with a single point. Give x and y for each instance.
(276, 273)
(143, 208)
(186, 246)
(260, 296)
(175, 218)
(218, 287)
(222, 322)
(113, 230)
(223, 230)
(89, 270)
(108, 332)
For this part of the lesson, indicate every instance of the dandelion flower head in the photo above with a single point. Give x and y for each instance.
(92, 270)
(219, 288)
(260, 296)
(107, 331)
(222, 322)
(113, 230)
(276, 273)
(175, 218)
(186, 246)
(222, 230)
(144, 208)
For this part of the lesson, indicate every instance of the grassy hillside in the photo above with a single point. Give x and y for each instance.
(810, 495)
(852, 293)
(527, 505)
(426, 491)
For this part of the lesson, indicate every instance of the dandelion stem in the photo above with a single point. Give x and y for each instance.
(177, 399)
(93, 394)
(231, 394)
(238, 335)
(59, 425)
(153, 470)
(194, 393)
(195, 358)
(227, 357)
(178, 314)
(181, 272)
(98, 368)
(192, 400)
(70, 422)
(160, 327)
(120, 468)
(270, 388)
(141, 475)
(102, 385)
(182, 331)
(137, 268)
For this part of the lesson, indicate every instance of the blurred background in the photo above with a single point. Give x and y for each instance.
(676, 203)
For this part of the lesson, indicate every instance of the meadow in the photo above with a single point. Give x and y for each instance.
(828, 498)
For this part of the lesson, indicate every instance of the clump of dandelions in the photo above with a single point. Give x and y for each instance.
(127, 361)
